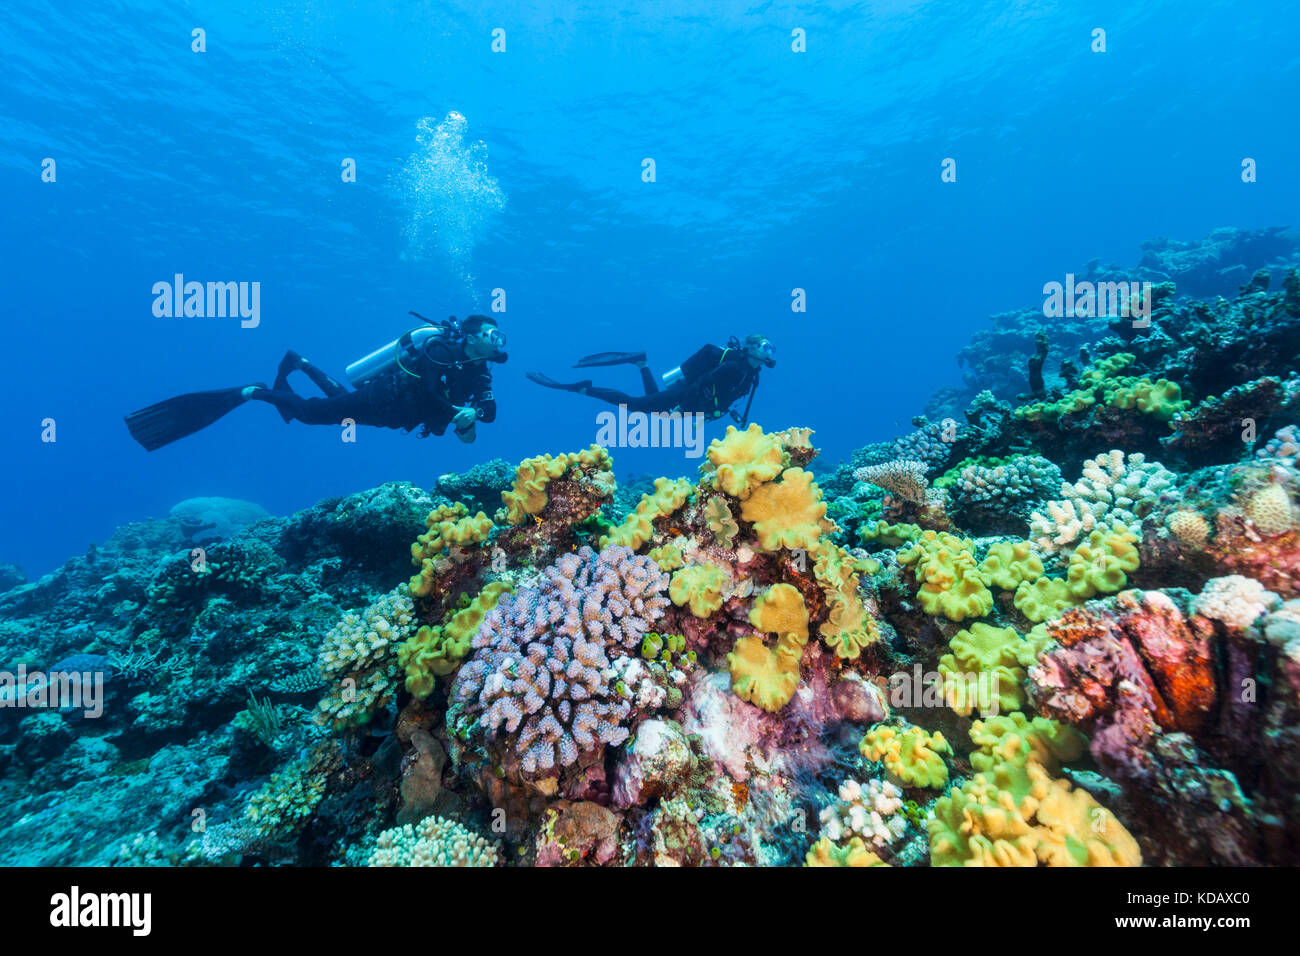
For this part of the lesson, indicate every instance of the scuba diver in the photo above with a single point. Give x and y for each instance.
(710, 381)
(431, 376)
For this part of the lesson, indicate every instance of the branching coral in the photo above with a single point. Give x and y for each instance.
(358, 659)
(869, 812)
(434, 841)
(1113, 489)
(554, 671)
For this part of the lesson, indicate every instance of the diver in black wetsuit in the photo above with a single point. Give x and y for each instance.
(710, 381)
(432, 377)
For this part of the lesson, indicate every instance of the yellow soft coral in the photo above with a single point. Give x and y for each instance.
(780, 610)
(700, 586)
(950, 582)
(669, 557)
(847, 628)
(528, 496)
(1015, 738)
(854, 853)
(764, 676)
(435, 651)
(669, 495)
(1008, 563)
(993, 659)
(1043, 599)
(449, 526)
(788, 513)
(1015, 814)
(744, 460)
(1098, 565)
(720, 521)
(911, 754)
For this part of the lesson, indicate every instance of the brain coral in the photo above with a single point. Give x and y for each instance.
(554, 670)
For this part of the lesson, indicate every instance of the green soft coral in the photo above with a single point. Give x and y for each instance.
(949, 578)
(435, 651)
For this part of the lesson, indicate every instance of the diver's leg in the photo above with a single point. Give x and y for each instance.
(648, 380)
(324, 382)
(323, 411)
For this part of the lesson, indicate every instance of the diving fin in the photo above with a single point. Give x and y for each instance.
(173, 419)
(609, 358)
(541, 379)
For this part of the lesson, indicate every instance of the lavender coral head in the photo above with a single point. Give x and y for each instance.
(549, 664)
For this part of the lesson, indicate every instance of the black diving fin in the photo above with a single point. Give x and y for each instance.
(549, 382)
(169, 420)
(609, 358)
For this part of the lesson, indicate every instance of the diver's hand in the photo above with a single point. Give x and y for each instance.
(464, 419)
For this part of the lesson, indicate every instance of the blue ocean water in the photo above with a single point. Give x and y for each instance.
(522, 170)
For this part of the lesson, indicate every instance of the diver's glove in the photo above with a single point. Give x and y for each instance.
(464, 419)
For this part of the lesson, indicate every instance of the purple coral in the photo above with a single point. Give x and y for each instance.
(553, 666)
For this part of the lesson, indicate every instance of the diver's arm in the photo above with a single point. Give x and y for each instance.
(485, 404)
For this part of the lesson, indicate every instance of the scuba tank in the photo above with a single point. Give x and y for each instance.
(401, 353)
(698, 365)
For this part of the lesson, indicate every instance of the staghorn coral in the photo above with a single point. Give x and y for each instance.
(554, 673)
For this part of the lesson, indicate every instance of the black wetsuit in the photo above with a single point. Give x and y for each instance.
(397, 399)
(713, 379)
